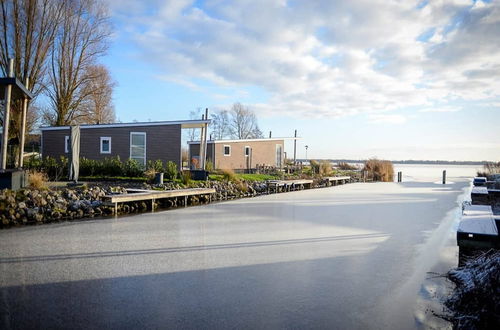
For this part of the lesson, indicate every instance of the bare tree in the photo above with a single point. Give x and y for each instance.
(81, 39)
(243, 123)
(98, 107)
(220, 124)
(194, 133)
(27, 30)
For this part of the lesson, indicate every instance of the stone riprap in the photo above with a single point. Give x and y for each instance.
(31, 206)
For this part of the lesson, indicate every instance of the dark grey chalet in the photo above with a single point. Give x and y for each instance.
(139, 141)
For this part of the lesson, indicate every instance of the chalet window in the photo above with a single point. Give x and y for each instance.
(105, 145)
(66, 144)
(227, 150)
(247, 151)
(138, 147)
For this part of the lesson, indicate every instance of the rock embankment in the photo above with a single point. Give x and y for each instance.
(29, 206)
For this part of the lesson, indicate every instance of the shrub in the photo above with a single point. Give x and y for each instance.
(346, 166)
(489, 169)
(132, 168)
(379, 170)
(112, 166)
(54, 169)
(157, 165)
(150, 174)
(90, 167)
(186, 177)
(171, 170)
(325, 168)
(209, 166)
(37, 180)
(33, 163)
(314, 166)
(229, 176)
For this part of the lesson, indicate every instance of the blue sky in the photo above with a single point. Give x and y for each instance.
(357, 79)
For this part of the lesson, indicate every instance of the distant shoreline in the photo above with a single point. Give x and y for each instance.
(409, 162)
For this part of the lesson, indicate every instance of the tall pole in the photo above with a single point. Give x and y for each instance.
(202, 145)
(6, 118)
(295, 148)
(205, 141)
(23, 126)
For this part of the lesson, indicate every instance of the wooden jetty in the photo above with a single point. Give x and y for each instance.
(135, 195)
(287, 185)
(335, 180)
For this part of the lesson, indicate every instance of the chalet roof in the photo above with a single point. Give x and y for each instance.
(247, 140)
(19, 91)
(183, 123)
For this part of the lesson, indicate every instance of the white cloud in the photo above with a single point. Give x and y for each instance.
(440, 109)
(328, 58)
(389, 119)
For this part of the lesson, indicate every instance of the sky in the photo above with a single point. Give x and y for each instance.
(357, 79)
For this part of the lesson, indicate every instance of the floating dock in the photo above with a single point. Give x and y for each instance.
(478, 228)
(479, 196)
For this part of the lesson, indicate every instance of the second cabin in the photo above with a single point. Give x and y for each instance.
(241, 155)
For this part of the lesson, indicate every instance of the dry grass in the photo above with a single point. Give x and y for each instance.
(379, 170)
(229, 176)
(346, 166)
(150, 173)
(489, 169)
(37, 180)
(186, 177)
(325, 168)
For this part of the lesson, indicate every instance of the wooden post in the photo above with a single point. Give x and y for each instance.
(6, 118)
(23, 127)
(444, 177)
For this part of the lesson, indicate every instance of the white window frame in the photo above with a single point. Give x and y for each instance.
(224, 150)
(145, 144)
(66, 144)
(245, 151)
(105, 138)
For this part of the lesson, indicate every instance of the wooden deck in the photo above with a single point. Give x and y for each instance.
(288, 185)
(135, 195)
(335, 180)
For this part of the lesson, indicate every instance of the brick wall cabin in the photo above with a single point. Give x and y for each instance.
(162, 141)
(264, 152)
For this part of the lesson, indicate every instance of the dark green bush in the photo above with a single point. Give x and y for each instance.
(112, 167)
(89, 167)
(171, 170)
(157, 165)
(132, 168)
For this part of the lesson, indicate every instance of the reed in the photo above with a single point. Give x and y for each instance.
(379, 170)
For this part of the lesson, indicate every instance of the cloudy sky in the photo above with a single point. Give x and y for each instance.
(357, 79)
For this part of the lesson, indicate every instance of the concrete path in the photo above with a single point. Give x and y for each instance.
(346, 257)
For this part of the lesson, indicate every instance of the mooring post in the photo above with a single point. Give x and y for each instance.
(444, 177)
